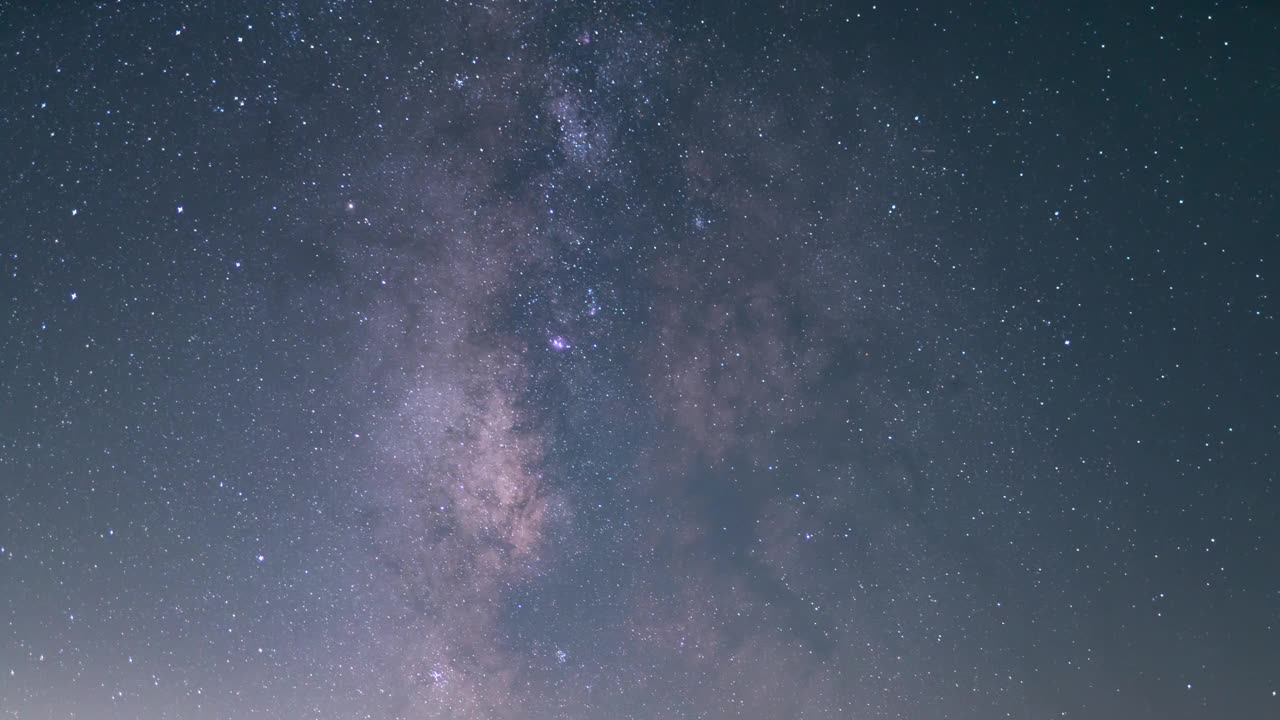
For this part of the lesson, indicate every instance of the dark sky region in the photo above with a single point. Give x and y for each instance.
(639, 361)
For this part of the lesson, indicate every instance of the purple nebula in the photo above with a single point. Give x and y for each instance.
(559, 343)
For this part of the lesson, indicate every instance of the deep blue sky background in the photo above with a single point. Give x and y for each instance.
(638, 360)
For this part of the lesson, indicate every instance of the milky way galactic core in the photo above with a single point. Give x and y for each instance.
(587, 360)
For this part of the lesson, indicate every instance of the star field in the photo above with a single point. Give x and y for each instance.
(528, 360)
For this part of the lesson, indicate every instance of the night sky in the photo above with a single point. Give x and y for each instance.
(652, 360)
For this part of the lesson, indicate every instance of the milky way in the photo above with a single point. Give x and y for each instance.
(594, 360)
